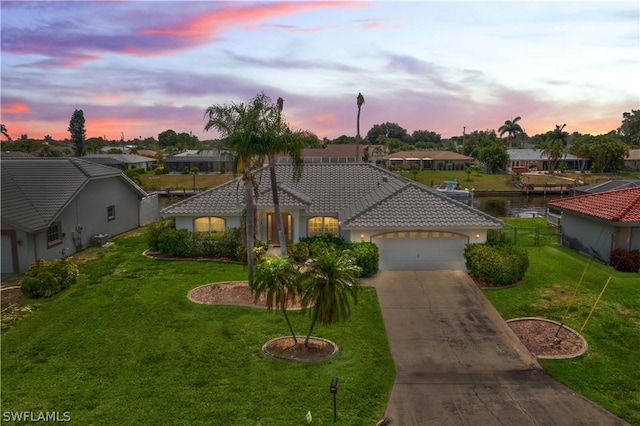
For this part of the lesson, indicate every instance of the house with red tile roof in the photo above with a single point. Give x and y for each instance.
(596, 224)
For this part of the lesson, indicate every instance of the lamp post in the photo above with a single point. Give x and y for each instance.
(334, 390)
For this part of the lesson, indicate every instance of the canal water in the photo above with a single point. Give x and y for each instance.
(514, 205)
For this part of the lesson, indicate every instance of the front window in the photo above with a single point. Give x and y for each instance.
(209, 224)
(54, 234)
(111, 213)
(322, 225)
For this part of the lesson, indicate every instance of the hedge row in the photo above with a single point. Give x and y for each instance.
(496, 264)
(625, 260)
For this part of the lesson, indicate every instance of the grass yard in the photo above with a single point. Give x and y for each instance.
(125, 346)
(609, 373)
(183, 181)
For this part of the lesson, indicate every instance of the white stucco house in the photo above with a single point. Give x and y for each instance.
(415, 227)
(55, 207)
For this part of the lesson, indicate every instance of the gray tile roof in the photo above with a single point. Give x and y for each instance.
(35, 190)
(533, 154)
(609, 185)
(360, 194)
(117, 158)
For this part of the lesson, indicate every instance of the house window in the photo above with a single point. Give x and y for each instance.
(54, 234)
(322, 225)
(111, 213)
(209, 224)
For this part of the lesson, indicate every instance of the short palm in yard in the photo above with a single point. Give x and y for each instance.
(126, 346)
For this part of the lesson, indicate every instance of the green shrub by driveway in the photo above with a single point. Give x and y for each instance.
(496, 264)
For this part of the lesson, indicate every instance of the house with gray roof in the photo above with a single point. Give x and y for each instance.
(125, 161)
(522, 160)
(414, 226)
(210, 160)
(55, 207)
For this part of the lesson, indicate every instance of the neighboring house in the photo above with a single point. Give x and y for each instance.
(608, 185)
(632, 162)
(524, 160)
(597, 223)
(427, 160)
(54, 207)
(126, 161)
(205, 161)
(415, 227)
(332, 153)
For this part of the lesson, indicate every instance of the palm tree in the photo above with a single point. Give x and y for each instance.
(359, 102)
(278, 138)
(238, 125)
(328, 285)
(511, 128)
(3, 130)
(277, 278)
(555, 147)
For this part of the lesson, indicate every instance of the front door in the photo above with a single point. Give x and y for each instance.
(272, 228)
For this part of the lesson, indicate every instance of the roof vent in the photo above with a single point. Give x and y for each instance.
(384, 179)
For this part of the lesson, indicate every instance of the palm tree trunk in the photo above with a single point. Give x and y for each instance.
(358, 136)
(313, 323)
(248, 194)
(276, 206)
(286, 317)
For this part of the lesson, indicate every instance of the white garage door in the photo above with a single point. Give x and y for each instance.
(421, 250)
(7, 255)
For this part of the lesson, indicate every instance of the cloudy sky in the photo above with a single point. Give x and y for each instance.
(138, 68)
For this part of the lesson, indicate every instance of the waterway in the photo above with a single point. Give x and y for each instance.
(513, 205)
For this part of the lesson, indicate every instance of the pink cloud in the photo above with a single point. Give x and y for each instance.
(15, 108)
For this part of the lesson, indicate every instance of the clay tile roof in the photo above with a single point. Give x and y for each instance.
(622, 205)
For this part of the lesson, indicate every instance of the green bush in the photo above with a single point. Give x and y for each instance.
(155, 229)
(175, 242)
(625, 260)
(499, 265)
(298, 251)
(497, 237)
(163, 237)
(330, 239)
(259, 251)
(366, 256)
(44, 279)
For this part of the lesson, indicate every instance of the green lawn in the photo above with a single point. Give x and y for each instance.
(609, 373)
(125, 346)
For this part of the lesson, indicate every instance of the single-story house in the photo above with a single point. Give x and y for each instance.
(523, 160)
(127, 161)
(427, 160)
(55, 207)
(205, 161)
(632, 161)
(332, 153)
(414, 226)
(597, 223)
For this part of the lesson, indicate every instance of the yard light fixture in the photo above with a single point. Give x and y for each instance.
(334, 390)
(362, 237)
(477, 235)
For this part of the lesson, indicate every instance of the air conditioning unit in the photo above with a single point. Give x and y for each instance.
(99, 239)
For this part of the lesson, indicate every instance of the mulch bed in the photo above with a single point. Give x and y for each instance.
(230, 293)
(283, 348)
(539, 337)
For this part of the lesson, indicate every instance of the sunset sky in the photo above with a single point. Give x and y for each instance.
(138, 68)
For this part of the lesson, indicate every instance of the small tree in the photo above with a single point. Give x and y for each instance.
(78, 132)
(277, 279)
(327, 286)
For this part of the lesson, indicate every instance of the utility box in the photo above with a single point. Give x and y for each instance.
(99, 239)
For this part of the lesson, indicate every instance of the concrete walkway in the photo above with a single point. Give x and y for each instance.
(458, 362)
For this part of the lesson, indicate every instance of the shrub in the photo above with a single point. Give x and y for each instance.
(155, 229)
(259, 251)
(500, 265)
(44, 279)
(324, 242)
(625, 260)
(298, 251)
(366, 256)
(497, 237)
(158, 170)
(175, 242)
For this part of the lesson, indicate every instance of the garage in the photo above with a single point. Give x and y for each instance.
(421, 250)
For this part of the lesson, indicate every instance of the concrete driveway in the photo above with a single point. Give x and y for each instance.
(458, 362)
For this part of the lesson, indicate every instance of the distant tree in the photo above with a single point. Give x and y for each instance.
(310, 139)
(359, 102)
(512, 129)
(555, 147)
(608, 152)
(78, 132)
(343, 139)
(426, 136)
(3, 130)
(630, 128)
(479, 139)
(48, 139)
(494, 155)
(580, 147)
(389, 130)
(168, 138)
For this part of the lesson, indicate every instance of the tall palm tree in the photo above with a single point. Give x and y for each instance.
(511, 128)
(359, 102)
(237, 125)
(278, 138)
(277, 279)
(328, 285)
(555, 147)
(3, 130)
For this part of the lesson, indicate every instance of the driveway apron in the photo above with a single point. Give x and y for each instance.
(458, 362)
